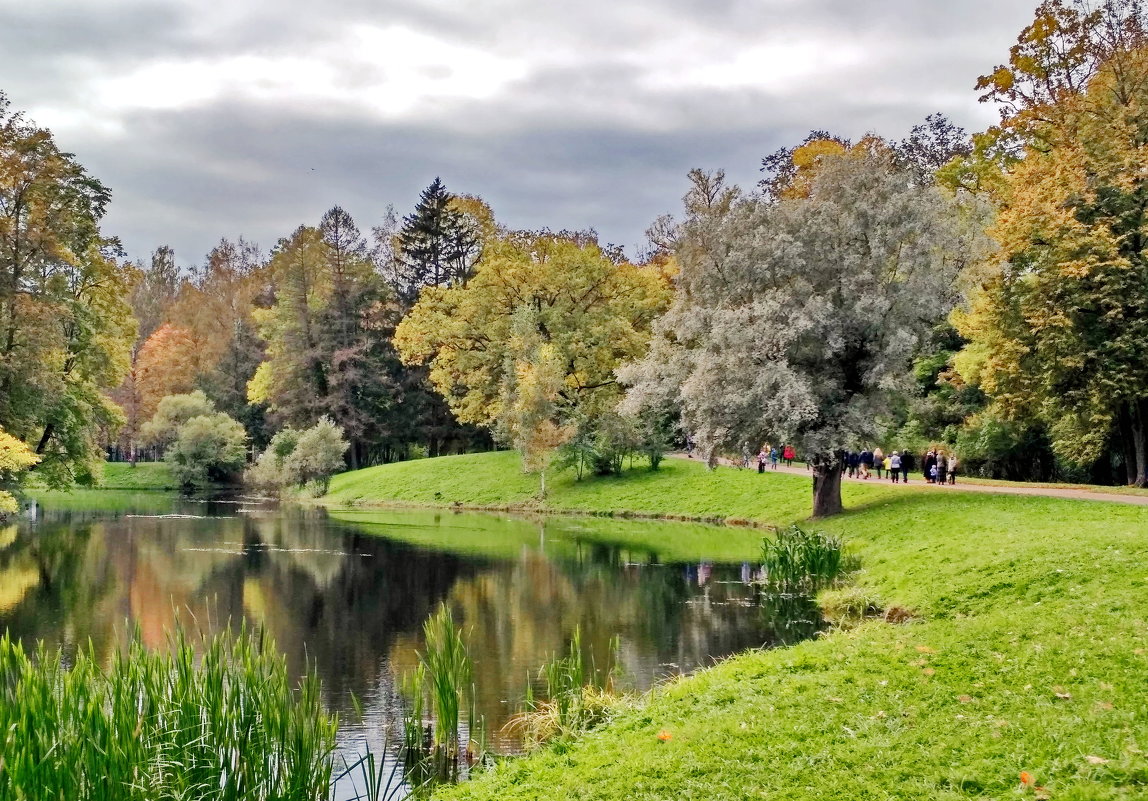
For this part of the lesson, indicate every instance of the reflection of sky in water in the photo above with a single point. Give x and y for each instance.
(349, 598)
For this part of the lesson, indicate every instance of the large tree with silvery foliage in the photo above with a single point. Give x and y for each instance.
(796, 319)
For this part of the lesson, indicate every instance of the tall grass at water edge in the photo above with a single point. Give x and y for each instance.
(222, 724)
(579, 696)
(438, 691)
(800, 561)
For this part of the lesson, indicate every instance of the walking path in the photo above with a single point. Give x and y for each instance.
(917, 481)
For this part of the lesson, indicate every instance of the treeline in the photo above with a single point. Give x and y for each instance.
(986, 293)
(304, 333)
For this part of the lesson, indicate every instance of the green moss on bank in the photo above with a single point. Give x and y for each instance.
(1030, 652)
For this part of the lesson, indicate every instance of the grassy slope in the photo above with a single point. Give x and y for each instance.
(143, 476)
(1031, 654)
(679, 488)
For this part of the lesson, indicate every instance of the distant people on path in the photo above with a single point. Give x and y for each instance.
(879, 460)
(928, 463)
(774, 456)
(761, 457)
(866, 458)
(894, 466)
(942, 467)
(789, 454)
(906, 465)
(953, 469)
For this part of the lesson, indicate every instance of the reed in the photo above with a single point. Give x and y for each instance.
(438, 691)
(799, 561)
(579, 696)
(217, 721)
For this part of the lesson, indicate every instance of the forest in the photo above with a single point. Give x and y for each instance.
(983, 292)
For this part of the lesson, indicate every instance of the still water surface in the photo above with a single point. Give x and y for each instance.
(349, 594)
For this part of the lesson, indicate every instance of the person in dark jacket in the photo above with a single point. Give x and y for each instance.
(906, 465)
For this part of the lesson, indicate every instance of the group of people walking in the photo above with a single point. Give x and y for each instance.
(937, 467)
(772, 453)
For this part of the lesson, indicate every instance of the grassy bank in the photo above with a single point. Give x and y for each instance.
(1029, 652)
(140, 476)
(679, 488)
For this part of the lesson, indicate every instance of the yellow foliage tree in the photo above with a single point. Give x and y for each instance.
(15, 459)
(1059, 320)
(535, 336)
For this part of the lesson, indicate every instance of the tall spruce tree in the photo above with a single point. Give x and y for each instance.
(438, 245)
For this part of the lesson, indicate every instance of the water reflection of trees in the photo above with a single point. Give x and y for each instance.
(352, 604)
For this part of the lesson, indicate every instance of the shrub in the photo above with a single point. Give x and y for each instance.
(318, 454)
(208, 448)
(172, 412)
(296, 458)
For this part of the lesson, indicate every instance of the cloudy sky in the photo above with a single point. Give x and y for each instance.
(253, 116)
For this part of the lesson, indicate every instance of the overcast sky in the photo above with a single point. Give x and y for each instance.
(253, 116)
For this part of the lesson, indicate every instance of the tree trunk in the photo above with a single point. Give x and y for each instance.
(826, 488)
(1140, 441)
(1128, 449)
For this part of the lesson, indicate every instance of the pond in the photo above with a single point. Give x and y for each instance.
(348, 592)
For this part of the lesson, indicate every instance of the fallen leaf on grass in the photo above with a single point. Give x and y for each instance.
(665, 736)
(1061, 693)
(1041, 794)
(1092, 759)
(924, 649)
(1026, 778)
(928, 671)
(1104, 705)
(965, 699)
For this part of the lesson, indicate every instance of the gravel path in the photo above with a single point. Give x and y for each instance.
(918, 483)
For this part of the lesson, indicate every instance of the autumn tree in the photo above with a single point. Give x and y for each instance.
(328, 335)
(535, 336)
(15, 459)
(798, 314)
(65, 326)
(1059, 317)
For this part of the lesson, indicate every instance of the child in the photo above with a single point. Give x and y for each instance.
(773, 456)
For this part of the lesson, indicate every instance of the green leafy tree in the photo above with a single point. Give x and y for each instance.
(798, 314)
(531, 344)
(328, 335)
(1058, 320)
(65, 325)
(208, 449)
(173, 411)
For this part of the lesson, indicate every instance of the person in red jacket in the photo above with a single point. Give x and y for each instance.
(789, 454)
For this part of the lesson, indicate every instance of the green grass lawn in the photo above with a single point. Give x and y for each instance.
(1029, 651)
(679, 488)
(141, 476)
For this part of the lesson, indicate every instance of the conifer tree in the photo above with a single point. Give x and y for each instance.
(438, 245)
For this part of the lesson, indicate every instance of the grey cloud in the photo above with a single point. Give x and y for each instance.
(578, 142)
